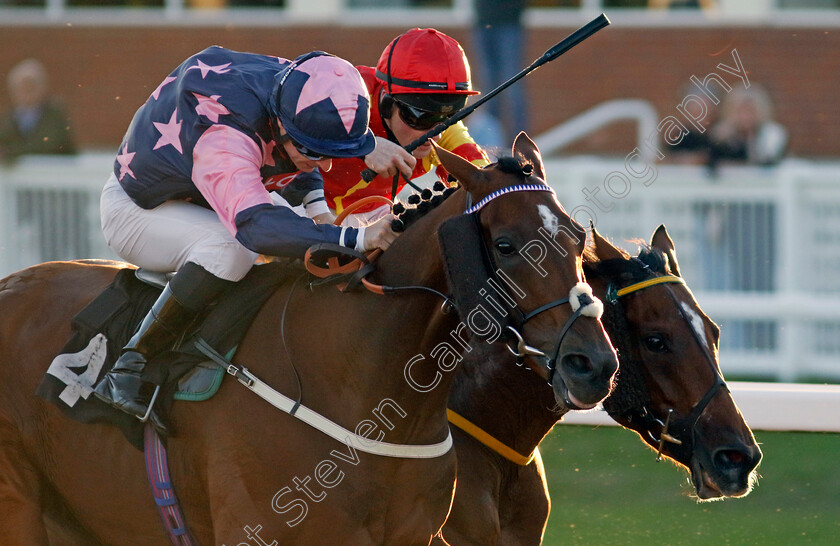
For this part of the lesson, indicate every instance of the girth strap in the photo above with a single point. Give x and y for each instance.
(157, 469)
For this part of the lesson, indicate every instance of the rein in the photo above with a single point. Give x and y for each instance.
(355, 271)
(683, 425)
(581, 299)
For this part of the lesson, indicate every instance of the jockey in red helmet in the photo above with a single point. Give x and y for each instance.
(421, 79)
(189, 191)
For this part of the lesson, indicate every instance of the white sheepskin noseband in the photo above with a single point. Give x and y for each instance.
(594, 309)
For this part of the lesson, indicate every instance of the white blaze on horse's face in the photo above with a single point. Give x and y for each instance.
(696, 321)
(550, 221)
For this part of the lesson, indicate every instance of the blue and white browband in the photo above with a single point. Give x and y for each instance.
(509, 189)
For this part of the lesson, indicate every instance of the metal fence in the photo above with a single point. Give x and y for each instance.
(759, 247)
(49, 210)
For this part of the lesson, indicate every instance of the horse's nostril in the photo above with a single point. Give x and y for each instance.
(727, 460)
(577, 364)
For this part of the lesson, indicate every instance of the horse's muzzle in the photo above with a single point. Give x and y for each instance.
(724, 472)
(587, 378)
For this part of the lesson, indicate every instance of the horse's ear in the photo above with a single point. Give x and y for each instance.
(524, 146)
(457, 166)
(603, 248)
(662, 241)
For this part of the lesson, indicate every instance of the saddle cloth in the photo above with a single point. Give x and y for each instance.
(102, 328)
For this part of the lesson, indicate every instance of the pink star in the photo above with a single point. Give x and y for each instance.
(124, 159)
(339, 89)
(169, 133)
(166, 80)
(210, 107)
(218, 69)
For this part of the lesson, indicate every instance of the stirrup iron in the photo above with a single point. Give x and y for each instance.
(148, 414)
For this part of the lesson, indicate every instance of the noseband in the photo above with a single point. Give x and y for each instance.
(674, 427)
(583, 303)
(506, 309)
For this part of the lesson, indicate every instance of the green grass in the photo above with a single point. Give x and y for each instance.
(607, 488)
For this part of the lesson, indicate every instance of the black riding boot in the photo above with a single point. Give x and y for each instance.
(189, 292)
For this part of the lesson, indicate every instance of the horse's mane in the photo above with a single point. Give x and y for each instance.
(418, 204)
(515, 165)
(631, 391)
(628, 269)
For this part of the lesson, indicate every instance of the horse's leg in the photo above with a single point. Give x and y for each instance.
(474, 517)
(21, 521)
(524, 512)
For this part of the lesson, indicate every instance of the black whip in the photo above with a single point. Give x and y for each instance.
(558, 49)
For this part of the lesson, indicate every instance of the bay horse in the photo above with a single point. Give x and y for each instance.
(669, 390)
(379, 365)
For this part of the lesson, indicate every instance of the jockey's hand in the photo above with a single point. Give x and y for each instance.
(379, 234)
(324, 218)
(388, 158)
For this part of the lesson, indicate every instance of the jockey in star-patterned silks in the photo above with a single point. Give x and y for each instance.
(190, 187)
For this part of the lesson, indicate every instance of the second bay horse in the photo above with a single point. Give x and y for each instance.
(669, 390)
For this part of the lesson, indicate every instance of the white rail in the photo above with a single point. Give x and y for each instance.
(759, 247)
(605, 113)
(765, 406)
(49, 210)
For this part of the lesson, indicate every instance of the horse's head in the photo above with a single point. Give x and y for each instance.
(670, 389)
(513, 262)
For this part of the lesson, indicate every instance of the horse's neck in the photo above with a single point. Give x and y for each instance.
(364, 353)
(513, 405)
(415, 256)
(418, 325)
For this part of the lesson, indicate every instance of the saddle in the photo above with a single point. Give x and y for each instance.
(102, 328)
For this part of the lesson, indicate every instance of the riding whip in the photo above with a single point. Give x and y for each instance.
(558, 49)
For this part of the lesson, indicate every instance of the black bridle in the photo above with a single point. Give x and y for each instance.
(680, 431)
(580, 296)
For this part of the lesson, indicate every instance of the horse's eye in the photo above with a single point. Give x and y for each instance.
(505, 247)
(656, 344)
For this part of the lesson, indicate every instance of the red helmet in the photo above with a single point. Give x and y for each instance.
(424, 60)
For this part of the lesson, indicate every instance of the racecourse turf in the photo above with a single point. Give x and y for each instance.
(606, 488)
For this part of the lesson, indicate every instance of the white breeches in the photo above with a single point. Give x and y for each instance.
(170, 235)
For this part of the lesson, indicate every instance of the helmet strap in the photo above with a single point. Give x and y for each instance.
(390, 55)
(386, 106)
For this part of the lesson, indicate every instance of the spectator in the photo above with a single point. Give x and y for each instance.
(746, 131)
(36, 123)
(693, 149)
(500, 40)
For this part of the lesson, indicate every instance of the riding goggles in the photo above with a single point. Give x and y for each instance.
(420, 120)
(303, 150)
(307, 153)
